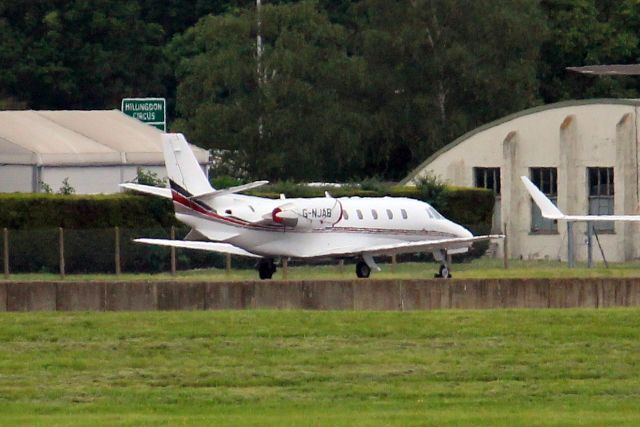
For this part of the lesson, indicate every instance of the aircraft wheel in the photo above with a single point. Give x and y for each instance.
(362, 270)
(266, 268)
(443, 272)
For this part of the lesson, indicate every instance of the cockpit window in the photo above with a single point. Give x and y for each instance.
(435, 213)
(429, 213)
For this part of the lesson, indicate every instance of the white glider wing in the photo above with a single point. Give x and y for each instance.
(224, 248)
(551, 211)
(148, 189)
(410, 247)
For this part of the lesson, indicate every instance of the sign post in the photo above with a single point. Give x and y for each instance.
(152, 111)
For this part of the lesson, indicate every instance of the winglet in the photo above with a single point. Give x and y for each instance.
(547, 208)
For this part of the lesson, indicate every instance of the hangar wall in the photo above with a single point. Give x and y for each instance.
(574, 139)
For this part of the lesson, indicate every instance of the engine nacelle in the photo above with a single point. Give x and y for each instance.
(311, 213)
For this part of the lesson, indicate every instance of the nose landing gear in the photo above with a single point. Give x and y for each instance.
(443, 272)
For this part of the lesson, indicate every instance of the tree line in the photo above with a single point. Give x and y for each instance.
(341, 90)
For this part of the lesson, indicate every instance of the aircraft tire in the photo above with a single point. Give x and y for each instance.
(443, 273)
(266, 268)
(362, 270)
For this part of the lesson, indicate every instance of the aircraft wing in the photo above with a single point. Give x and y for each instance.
(224, 248)
(411, 247)
(551, 211)
(148, 189)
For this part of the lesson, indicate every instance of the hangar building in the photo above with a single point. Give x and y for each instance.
(582, 154)
(94, 150)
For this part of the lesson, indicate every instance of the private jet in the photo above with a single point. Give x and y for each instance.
(315, 228)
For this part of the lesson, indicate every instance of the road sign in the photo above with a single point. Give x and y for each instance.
(151, 111)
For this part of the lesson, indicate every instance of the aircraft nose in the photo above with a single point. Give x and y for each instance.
(460, 231)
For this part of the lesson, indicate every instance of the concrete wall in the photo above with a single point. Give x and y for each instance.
(398, 295)
(570, 137)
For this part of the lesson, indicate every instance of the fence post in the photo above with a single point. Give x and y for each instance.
(117, 250)
(394, 262)
(285, 269)
(5, 252)
(173, 251)
(505, 248)
(227, 263)
(61, 250)
(341, 266)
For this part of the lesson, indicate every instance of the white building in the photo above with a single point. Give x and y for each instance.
(94, 150)
(582, 154)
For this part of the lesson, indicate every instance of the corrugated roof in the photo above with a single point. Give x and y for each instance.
(106, 137)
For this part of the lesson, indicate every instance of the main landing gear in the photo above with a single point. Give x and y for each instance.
(362, 270)
(266, 268)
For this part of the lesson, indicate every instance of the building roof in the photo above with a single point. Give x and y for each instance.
(564, 104)
(56, 138)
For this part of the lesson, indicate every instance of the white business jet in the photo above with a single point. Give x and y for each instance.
(304, 228)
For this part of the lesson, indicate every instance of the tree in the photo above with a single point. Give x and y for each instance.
(78, 54)
(440, 68)
(589, 32)
(292, 116)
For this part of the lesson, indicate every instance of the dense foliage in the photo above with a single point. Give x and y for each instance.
(342, 89)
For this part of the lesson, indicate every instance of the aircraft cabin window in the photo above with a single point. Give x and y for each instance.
(359, 214)
(404, 213)
(389, 214)
(345, 215)
(374, 214)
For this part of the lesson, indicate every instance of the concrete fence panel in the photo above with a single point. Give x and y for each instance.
(377, 295)
(327, 295)
(133, 296)
(180, 296)
(76, 296)
(31, 296)
(3, 297)
(281, 295)
(229, 296)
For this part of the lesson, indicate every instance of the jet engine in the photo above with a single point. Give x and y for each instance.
(309, 214)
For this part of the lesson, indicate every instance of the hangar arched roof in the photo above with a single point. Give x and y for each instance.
(558, 105)
(105, 137)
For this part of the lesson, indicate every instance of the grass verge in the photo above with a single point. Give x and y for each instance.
(506, 367)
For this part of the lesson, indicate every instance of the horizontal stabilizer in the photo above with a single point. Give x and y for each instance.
(224, 248)
(230, 190)
(148, 189)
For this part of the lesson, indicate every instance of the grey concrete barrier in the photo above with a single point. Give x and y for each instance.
(402, 295)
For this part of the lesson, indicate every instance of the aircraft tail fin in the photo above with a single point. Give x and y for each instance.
(547, 208)
(183, 168)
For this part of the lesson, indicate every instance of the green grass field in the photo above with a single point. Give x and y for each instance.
(478, 268)
(508, 367)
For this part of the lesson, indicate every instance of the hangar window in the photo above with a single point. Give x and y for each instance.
(546, 179)
(487, 178)
(601, 192)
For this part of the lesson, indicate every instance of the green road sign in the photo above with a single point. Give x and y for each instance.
(151, 111)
